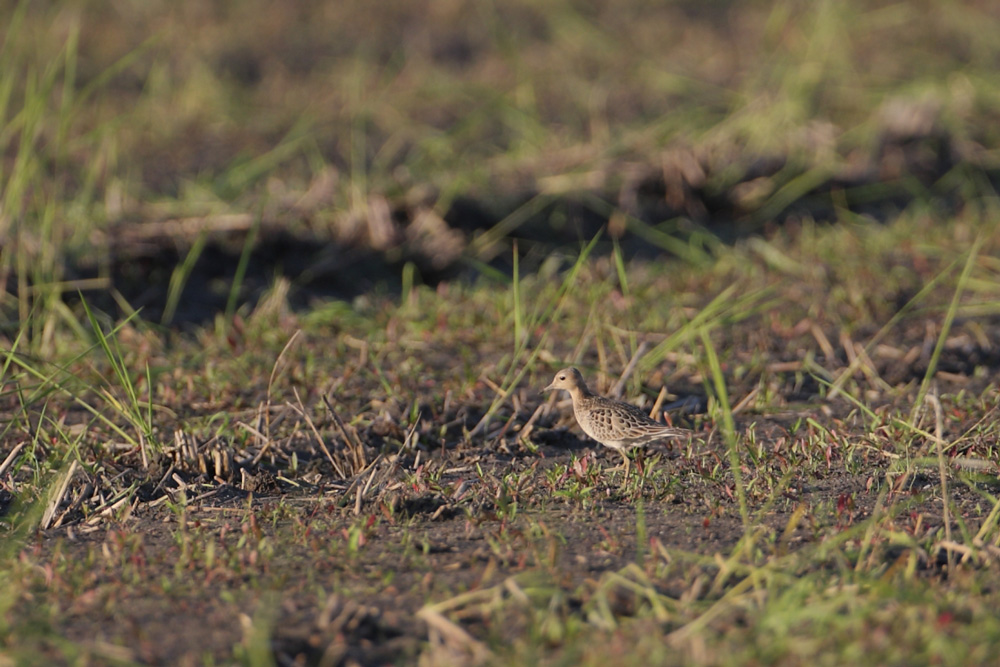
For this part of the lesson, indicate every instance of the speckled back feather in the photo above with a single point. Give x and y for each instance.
(619, 425)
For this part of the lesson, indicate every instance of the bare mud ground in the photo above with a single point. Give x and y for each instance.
(442, 544)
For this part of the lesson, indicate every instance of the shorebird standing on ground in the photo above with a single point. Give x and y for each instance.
(612, 423)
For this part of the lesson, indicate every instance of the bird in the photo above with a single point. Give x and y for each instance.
(612, 423)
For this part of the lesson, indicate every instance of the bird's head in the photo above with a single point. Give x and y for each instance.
(568, 379)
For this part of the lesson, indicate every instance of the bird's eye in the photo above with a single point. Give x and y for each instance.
(562, 377)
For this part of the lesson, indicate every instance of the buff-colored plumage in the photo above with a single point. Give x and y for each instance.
(612, 423)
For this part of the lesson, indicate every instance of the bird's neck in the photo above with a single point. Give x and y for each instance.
(580, 392)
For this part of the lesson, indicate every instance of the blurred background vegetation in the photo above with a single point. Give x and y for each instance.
(153, 149)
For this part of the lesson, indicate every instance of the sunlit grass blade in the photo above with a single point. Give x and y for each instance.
(949, 319)
(484, 246)
(179, 277)
(518, 305)
(725, 305)
(925, 290)
(236, 287)
(728, 425)
(543, 315)
(626, 293)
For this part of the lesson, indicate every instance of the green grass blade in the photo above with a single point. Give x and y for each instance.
(180, 276)
(949, 319)
(728, 426)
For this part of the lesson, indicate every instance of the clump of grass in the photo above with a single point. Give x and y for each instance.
(136, 411)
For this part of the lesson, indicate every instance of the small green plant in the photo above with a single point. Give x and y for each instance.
(138, 412)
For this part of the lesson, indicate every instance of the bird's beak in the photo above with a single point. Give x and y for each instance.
(549, 388)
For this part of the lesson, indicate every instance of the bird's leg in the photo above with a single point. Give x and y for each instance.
(627, 464)
(640, 459)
